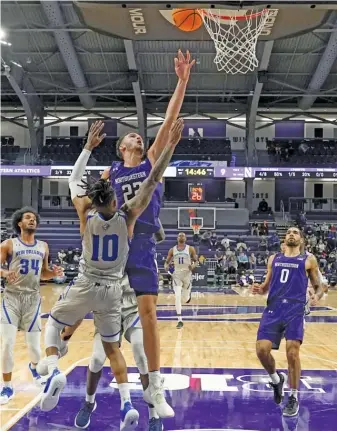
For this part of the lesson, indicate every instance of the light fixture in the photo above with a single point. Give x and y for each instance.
(3, 34)
(3, 42)
(15, 63)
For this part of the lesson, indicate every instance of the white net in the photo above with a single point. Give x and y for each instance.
(235, 37)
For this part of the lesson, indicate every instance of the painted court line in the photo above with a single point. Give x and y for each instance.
(35, 400)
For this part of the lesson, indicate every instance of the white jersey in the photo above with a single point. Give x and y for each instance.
(105, 247)
(27, 262)
(181, 259)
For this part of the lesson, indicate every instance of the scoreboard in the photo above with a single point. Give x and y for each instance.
(316, 173)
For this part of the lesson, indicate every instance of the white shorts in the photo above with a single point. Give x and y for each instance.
(83, 296)
(182, 280)
(22, 309)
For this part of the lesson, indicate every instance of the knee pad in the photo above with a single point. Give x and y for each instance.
(137, 345)
(98, 356)
(33, 344)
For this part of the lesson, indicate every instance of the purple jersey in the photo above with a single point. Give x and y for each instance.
(289, 279)
(126, 182)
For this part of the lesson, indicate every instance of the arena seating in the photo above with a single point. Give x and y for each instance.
(9, 151)
(302, 152)
(66, 149)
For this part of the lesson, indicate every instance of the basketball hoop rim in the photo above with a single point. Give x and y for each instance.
(230, 18)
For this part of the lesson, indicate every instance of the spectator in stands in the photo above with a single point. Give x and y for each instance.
(205, 239)
(254, 229)
(324, 229)
(332, 233)
(263, 244)
(263, 229)
(308, 230)
(202, 260)
(241, 244)
(320, 246)
(274, 242)
(225, 242)
(252, 261)
(312, 240)
(260, 259)
(232, 264)
(242, 261)
(323, 260)
(70, 256)
(263, 206)
(213, 240)
(61, 256)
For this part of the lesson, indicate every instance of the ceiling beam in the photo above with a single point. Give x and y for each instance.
(323, 68)
(132, 65)
(11, 120)
(65, 43)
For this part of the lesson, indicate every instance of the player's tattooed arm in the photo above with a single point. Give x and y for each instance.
(311, 266)
(263, 288)
(6, 251)
(135, 206)
(194, 258)
(183, 65)
(168, 260)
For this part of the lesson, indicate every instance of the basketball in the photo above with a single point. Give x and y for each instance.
(187, 19)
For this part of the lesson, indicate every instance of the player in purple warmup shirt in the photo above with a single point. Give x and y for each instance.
(126, 177)
(287, 281)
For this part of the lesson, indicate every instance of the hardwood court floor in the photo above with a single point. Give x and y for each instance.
(219, 332)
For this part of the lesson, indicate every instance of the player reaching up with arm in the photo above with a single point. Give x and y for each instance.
(126, 177)
(105, 238)
(185, 259)
(287, 281)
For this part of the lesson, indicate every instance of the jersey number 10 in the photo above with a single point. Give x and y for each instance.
(106, 247)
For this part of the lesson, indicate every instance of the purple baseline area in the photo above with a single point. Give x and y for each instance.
(191, 313)
(238, 399)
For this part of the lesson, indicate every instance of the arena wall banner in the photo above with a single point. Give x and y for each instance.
(205, 128)
(25, 170)
(199, 276)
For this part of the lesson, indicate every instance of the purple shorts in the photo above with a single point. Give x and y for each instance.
(280, 319)
(141, 266)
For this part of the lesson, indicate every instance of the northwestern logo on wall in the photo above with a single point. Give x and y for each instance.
(205, 128)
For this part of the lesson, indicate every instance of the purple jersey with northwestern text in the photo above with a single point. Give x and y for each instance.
(126, 182)
(284, 314)
(141, 266)
(289, 279)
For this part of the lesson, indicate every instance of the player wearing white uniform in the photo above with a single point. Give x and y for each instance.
(106, 234)
(185, 260)
(133, 333)
(27, 261)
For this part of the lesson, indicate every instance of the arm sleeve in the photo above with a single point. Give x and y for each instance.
(77, 173)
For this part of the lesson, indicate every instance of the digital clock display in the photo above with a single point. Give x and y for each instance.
(196, 192)
(195, 172)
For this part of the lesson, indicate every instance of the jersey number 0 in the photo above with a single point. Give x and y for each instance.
(106, 247)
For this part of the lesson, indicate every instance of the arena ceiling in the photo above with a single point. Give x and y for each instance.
(97, 73)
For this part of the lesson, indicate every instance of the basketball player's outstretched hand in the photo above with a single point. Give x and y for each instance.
(94, 135)
(256, 289)
(183, 65)
(176, 131)
(314, 300)
(12, 276)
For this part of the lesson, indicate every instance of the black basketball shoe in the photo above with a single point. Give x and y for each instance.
(279, 388)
